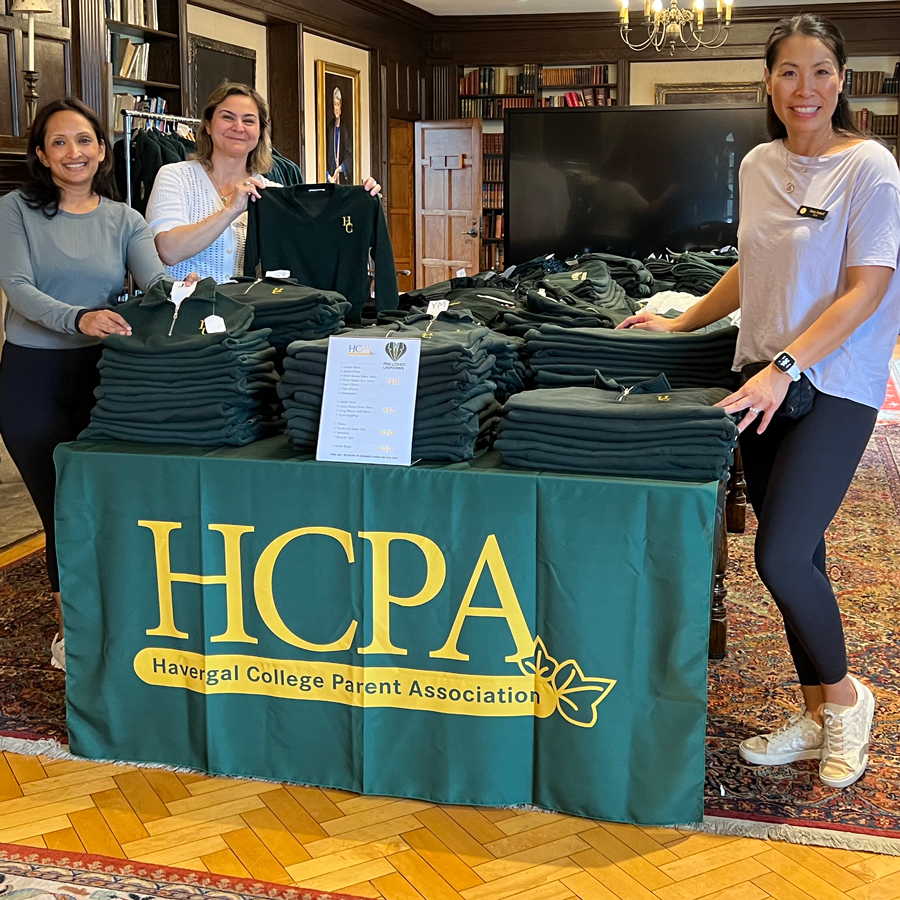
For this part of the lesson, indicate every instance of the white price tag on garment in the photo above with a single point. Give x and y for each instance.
(180, 292)
(460, 273)
(278, 273)
(436, 307)
(214, 325)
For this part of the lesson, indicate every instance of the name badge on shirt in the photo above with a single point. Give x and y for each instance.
(810, 212)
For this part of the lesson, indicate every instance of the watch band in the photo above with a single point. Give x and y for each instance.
(787, 364)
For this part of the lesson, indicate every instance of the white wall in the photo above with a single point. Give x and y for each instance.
(645, 76)
(315, 47)
(239, 32)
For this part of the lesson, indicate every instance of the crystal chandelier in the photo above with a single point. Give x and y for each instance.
(676, 26)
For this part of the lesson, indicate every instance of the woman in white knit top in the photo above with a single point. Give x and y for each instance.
(198, 209)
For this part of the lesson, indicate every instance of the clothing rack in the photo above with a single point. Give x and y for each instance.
(130, 114)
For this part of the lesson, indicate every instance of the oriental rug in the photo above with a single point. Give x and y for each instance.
(751, 690)
(29, 874)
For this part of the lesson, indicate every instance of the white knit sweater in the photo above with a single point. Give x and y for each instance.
(183, 194)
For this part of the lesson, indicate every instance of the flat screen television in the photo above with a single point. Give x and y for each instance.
(629, 180)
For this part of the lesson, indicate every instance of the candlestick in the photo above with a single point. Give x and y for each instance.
(623, 15)
(31, 42)
(727, 11)
(698, 5)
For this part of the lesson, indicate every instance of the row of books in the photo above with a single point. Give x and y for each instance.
(499, 80)
(140, 102)
(866, 120)
(578, 75)
(132, 59)
(856, 82)
(492, 225)
(492, 109)
(492, 143)
(492, 257)
(586, 97)
(492, 170)
(143, 13)
(492, 196)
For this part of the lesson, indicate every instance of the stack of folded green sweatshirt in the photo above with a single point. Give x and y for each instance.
(509, 372)
(292, 311)
(455, 406)
(567, 357)
(191, 374)
(648, 431)
(631, 274)
(692, 272)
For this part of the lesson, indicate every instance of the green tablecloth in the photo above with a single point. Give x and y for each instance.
(462, 633)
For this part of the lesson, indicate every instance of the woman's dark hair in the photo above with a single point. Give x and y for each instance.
(824, 30)
(40, 191)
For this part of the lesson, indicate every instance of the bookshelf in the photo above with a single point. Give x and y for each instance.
(872, 86)
(486, 92)
(144, 57)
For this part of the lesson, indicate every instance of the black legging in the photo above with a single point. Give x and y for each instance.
(797, 473)
(46, 397)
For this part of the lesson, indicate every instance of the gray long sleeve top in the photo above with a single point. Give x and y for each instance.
(51, 269)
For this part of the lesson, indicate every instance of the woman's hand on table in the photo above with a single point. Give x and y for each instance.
(760, 396)
(645, 321)
(102, 322)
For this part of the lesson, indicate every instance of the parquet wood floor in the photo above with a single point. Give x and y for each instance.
(382, 847)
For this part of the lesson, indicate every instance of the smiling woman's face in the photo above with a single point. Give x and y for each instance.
(71, 150)
(234, 128)
(805, 84)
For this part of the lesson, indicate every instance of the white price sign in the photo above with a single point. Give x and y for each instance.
(370, 400)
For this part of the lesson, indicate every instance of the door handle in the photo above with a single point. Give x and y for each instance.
(472, 232)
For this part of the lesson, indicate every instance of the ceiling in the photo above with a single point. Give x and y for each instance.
(513, 7)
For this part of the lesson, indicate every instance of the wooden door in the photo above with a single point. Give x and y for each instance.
(401, 199)
(448, 199)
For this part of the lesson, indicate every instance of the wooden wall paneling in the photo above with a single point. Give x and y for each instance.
(51, 57)
(404, 91)
(89, 53)
(285, 50)
(401, 199)
(584, 38)
(444, 91)
(377, 116)
(9, 82)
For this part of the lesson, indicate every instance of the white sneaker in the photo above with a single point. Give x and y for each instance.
(799, 738)
(58, 652)
(846, 751)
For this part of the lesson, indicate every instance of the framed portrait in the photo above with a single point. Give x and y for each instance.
(338, 134)
(212, 62)
(731, 93)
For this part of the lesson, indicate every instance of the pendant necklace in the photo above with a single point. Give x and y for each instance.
(789, 185)
(222, 197)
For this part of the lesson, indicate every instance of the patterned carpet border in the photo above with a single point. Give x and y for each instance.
(127, 878)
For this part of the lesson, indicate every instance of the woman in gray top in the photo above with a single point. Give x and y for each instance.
(66, 248)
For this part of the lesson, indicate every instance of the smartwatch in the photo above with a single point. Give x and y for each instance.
(787, 364)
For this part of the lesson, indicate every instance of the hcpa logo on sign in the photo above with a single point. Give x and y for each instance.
(395, 349)
(359, 350)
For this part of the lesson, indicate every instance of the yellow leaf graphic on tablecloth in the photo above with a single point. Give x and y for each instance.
(578, 696)
(563, 687)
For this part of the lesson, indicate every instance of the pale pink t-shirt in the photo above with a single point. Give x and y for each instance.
(792, 268)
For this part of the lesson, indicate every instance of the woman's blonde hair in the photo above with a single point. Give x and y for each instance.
(259, 160)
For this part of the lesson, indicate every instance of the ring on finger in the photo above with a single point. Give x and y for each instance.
(754, 410)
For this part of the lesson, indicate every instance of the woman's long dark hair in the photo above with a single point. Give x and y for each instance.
(40, 191)
(824, 30)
